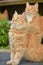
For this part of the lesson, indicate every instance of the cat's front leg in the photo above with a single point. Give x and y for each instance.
(18, 56)
(11, 56)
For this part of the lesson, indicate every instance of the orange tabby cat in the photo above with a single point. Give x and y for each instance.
(35, 47)
(17, 38)
(25, 36)
(4, 15)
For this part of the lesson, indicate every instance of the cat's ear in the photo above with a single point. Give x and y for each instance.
(36, 5)
(15, 15)
(27, 4)
(5, 12)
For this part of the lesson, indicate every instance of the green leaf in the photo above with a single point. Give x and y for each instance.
(4, 28)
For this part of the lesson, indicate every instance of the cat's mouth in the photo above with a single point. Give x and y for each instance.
(31, 13)
(18, 25)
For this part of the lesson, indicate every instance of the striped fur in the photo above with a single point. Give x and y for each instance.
(25, 36)
(35, 34)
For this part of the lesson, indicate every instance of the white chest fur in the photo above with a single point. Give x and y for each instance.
(29, 18)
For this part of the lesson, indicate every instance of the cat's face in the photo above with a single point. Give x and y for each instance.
(18, 20)
(31, 8)
(31, 11)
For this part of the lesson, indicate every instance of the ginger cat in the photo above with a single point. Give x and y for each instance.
(35, 33)
(25, 36)
(17, 38)
(4, 15)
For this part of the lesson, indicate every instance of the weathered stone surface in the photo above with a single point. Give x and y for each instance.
(5, 56)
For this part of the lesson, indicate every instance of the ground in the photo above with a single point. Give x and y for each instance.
(5, 56)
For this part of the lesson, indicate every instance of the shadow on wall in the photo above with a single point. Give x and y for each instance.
(19, 9)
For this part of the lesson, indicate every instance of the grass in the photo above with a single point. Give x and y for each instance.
(5, 47)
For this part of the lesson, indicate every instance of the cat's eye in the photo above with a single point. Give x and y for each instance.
(37, 33)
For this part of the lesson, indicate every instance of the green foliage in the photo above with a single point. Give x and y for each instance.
(4, 28)
(5, 47)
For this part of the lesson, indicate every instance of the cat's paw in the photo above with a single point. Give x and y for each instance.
(9, 62)
(13, 63)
